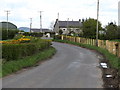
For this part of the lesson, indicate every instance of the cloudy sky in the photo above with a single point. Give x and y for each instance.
(22, 10)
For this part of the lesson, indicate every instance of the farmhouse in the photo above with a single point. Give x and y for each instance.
(68, 27)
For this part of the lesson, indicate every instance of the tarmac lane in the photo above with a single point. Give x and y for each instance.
(70, 67)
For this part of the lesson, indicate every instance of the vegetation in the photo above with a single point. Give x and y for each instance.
(118, 33)
(60, 32)
(116, 40)
(111, 31)
(24, 51)
(22, 47)
(35, 34)
(13, 66)
(8, 34)
(112, 58)
(89, 28)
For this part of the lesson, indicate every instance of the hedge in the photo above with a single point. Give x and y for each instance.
(35, 34)
(16, 51)
(8, 34)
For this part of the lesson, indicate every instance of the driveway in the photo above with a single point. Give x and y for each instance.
(70, 67)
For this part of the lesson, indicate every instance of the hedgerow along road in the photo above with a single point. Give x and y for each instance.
(70, 67)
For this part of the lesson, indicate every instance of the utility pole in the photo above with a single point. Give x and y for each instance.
(58, 16)
(97, 23)
(58, 23)
(8, 12)
(40, 21)
(119, 13)
(67, 24)
(30, 24)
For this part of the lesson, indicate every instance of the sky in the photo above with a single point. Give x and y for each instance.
(22, 10)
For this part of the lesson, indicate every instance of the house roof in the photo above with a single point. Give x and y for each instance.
(69, 23)
(38, 30)
(64, 24)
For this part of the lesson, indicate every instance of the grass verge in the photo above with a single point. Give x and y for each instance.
(113, 59)
(13, 66)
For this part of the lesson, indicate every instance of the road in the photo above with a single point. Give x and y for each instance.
(70, 67)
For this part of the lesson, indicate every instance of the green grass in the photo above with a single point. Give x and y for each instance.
(116, 40)
(113, 59)
(13, 66)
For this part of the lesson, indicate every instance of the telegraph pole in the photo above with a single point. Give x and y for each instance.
(58, 22)
(30, 24)
(67, 24)
(8, 12)
(40, 21)
(97, 23)
(58, 16)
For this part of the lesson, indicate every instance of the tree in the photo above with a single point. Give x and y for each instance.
(60, 32)
(52, 25)
(111, 31)
(89, 28)
(118, 32)
(102, 34)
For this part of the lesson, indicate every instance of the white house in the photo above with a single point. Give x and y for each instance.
(68, 26)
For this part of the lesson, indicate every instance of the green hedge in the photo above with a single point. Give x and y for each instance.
(13, 66)
(16, 51)
(57, 37)
(8, 34)
(35, 34)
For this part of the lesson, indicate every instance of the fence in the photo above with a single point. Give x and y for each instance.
(112, 47)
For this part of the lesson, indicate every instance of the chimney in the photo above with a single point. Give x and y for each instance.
(79, 20)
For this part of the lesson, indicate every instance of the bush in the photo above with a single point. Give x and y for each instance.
(57, 37)
(13, 66)
(33, 34)
(8, 35)
(16, 51)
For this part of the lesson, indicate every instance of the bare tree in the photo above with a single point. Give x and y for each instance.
(52, 25)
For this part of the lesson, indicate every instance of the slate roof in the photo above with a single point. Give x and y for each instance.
(64, 24)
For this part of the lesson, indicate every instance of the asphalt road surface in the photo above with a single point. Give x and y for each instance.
(70, 67)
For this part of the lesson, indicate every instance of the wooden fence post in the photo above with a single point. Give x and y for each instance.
(117, 49)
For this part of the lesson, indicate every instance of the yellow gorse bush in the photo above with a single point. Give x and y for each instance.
(24, 39)
(15, 41)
